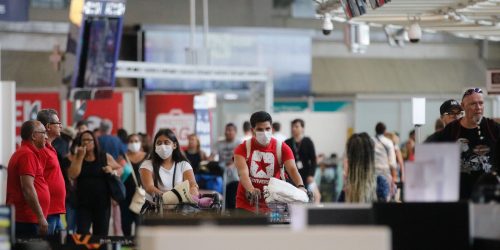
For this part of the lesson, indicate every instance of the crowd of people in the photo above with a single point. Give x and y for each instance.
(58, 171)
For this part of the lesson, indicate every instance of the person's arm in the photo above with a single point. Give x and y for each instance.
(401, 163)
(193, 186)
(75, 168)
(291, 169)
(242, 167)
(113, 166)
(312, 169)
(29, 193)
(147, 182)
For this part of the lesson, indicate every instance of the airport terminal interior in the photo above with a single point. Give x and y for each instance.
(250, 124)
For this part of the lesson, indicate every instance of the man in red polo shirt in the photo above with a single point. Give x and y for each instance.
(52, 170)
(26, 186)
(261, 164)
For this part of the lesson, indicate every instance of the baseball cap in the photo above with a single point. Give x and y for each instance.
(449, 106)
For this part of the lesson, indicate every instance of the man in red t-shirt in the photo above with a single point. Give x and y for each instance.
(262, 163)
(52, 170)
(26, 186)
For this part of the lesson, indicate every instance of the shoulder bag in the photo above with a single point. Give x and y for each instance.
(139, 197)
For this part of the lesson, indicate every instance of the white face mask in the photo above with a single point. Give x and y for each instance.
(264, 137)
(134, 147)
(164, 151)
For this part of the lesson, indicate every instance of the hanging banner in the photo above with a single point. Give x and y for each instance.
(173, 111)
(29, 103)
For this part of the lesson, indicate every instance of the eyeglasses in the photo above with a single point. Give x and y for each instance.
(457, 114)
(57, 123)
(472, 91)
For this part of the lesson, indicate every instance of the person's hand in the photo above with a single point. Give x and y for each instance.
(108, 169)
(253, 196)
(194, 190)
(309, 180)
(80, 152)
(303, 189)
(43, 226)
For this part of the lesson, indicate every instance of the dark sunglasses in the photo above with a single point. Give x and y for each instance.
(472, 91)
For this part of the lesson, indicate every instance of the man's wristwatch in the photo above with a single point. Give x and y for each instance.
(301, 186)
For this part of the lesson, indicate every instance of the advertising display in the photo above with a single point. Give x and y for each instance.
(98, 49)
(99, 109)
(29, 103)
(173, 111)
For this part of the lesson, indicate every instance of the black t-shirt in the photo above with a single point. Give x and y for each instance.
(304, 152)
(194, 159)
(478, 150)
(91, 184)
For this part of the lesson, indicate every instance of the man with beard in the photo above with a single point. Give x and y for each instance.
(478, 138)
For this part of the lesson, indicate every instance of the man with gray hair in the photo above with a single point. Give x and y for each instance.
(109, 143)
(52, 169)
(27, 189)
(477, 136)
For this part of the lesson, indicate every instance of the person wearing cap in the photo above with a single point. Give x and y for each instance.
(478, 137)
(450, 111)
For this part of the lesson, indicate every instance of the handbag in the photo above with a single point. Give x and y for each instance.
(116, 188)
(139, 197)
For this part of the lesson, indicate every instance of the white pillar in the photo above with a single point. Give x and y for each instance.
(7, 131)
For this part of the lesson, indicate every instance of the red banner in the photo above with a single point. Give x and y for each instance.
(173, 111)
(29, 103)
(99, 109)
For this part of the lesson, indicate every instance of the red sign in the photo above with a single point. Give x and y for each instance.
(100, 109)
(173, 111)
(29, 103)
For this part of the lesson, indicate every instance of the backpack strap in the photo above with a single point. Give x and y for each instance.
(279, 145)
(248, 146)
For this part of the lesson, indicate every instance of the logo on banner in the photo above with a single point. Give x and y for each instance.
(181, 124)
(26, 110)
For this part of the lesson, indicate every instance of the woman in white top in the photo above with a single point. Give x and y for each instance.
(166, 166)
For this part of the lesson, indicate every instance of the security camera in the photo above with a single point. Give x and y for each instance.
(415, 32)
(327, 24)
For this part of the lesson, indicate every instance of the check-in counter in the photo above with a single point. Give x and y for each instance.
(264, 237)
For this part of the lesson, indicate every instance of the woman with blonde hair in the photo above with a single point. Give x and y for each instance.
(361, 181)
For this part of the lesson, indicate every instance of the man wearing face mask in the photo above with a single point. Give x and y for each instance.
(261, 164)
(477, 136)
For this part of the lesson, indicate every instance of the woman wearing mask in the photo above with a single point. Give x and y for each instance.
(91, 167)
(135, 156)
(193, 153)
(166, 166)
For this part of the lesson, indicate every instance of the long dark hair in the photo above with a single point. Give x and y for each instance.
(156, 160)
(78, 143)
(361, 179)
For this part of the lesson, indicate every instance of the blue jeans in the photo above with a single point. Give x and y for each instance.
(70, 218)
(55, 224)
(26, 229)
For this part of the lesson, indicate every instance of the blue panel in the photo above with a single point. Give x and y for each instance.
(329, 106)
(14, 10)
